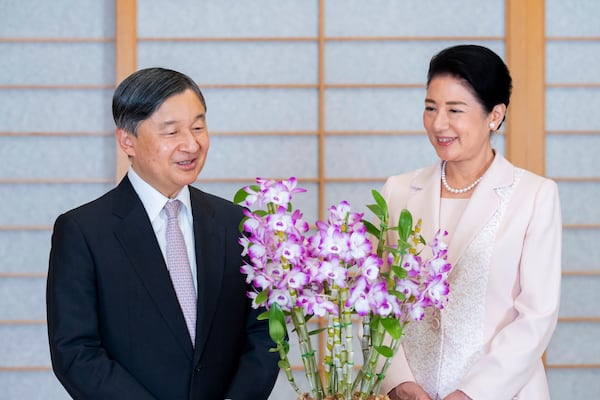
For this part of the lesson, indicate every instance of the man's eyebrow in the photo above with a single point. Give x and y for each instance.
(164, 124)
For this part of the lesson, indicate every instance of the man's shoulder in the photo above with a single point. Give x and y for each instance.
(211, 198)
(99, 207)
(93, 205)
(215, 203)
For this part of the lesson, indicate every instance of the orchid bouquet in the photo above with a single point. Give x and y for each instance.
(334, 273)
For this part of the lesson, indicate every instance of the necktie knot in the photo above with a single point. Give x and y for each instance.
(172, 208)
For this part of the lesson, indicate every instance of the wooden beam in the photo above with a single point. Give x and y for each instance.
(125, 59)
(321, 122)
(525, 55)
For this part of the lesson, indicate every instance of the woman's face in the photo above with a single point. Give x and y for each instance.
(457, 125)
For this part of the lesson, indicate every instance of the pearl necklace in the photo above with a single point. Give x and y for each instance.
(450, 188)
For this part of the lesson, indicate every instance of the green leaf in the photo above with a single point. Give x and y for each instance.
(241, 225)
(375, 209)
(372, 229)
(399, 272)
(260, 213)
(262, 296)
(276, 323)
(391, 250)
(317, 331)
(401, 296)
(263, 316)
(381, 203)
(392, 327)
(405, 224)
(385, 351)
(402, 246)
(374, 322)
(240, 196)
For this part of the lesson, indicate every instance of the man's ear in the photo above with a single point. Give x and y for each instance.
(126, 142)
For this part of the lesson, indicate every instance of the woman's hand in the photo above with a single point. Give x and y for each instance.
(457, 395)
(408, 391)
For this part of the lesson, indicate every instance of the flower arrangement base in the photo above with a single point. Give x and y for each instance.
(307, 396)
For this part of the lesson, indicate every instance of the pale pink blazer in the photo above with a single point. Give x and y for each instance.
(521, 297)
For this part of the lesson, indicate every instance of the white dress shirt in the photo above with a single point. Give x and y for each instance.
(153, 202)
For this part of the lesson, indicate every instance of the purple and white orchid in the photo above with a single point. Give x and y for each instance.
(334, 272)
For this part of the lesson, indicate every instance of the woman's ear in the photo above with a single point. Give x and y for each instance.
(497, 116)
(126, 141)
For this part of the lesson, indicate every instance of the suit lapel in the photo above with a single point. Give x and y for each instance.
(477, 213)
(209, 236)
(136, 235)
(424, 200)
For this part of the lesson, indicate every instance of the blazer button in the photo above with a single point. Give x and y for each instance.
(198, 368)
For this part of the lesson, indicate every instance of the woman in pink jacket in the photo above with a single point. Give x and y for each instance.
(504, 242)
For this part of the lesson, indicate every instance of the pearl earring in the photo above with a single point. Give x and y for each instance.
(492, 125)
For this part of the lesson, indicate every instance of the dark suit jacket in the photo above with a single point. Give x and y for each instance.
(115, 327)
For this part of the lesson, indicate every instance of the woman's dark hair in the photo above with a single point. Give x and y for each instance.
(483, 70)
(144, 91)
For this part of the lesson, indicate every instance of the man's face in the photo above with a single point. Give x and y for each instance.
(170, 148)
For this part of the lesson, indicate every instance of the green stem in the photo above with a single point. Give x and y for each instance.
(395, 345)
(308, 354)
(368, 376)
(348, 348)
(366, 338)
(338, 360)
(283, 356)
(381, 239)
(329, 373)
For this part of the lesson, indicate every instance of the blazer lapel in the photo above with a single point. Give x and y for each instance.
(209, 236)
(424, 200)
(481, 207)
(136, 235)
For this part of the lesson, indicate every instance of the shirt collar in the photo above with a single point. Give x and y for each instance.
(152, 199)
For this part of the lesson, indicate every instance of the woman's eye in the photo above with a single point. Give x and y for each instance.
(429, 108)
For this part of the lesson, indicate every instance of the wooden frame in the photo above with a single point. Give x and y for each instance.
(525, 54)
(125, 59)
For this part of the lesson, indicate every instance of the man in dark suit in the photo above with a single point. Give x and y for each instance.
(116, 321)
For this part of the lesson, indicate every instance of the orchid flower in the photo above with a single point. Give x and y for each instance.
(332, 273)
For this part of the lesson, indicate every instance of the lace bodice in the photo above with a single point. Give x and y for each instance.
(446, 344)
